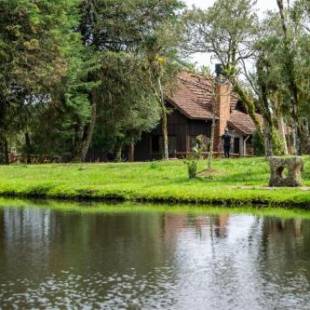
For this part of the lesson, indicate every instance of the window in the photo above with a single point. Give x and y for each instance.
(236, 145)
(172, 141)
(156, 144)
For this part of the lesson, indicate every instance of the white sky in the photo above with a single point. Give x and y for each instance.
(262, 6)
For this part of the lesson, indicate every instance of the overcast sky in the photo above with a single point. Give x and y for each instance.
(262, 6)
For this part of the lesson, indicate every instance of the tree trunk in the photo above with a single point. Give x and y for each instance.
(6, 151)
(295, 137)
(264, 104)
(28, 148)
(118, 152)
(268, 141)
(89, 131)
(292, 85)
(210, 156)
(305, 136)
(164, 122)
(165, 136)
(281, 125)
(131, 152)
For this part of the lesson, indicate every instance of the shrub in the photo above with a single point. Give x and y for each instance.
(192, 168)
(258, 144)
(197, 154)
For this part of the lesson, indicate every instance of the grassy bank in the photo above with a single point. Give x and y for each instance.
(237, 181)
(90, 208)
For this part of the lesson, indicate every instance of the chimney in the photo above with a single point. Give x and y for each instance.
(223, 93)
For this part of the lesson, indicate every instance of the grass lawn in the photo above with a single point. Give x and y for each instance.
(235, 182)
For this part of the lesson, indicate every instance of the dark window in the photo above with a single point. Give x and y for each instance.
(172, 141)
(155, 144)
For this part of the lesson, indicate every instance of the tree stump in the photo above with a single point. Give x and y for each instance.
(286, 171)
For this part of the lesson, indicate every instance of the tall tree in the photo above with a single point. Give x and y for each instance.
(226, 31)
(112, 29)
(34, 41)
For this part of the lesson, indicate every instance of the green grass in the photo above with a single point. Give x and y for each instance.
(130, 207)
(236, 181)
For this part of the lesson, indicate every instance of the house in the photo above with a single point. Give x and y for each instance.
(191, 107)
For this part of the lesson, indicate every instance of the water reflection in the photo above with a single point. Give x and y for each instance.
(143, 260)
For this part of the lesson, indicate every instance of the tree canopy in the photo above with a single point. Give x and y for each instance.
(83, 75)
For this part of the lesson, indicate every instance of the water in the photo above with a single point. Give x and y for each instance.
(152, 260)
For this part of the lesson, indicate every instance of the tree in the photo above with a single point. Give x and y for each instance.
(227, 31)
(162, 65)
(35, 40)
(126, 106)
(121, 32)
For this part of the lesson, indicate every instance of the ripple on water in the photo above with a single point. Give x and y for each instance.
(153, 261)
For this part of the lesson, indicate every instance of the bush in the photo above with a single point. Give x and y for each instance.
(197, 154)
(258, 144)
(192, 168)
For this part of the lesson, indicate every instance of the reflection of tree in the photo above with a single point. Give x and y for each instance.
(50, 242)
(220, 228)
(178, 255)
(286, 246)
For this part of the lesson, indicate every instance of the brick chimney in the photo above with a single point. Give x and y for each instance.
(223, 92)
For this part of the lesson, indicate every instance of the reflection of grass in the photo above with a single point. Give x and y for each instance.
(129, 207)
(235, 182)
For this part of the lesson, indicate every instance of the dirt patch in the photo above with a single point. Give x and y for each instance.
(208, 173)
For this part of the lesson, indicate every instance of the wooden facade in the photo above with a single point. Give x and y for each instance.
(182, 132)
(192, 105)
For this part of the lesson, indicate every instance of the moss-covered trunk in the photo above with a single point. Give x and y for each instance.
(131, 152)
(164, 120)
(89, 131)
(27, 147)
(119, 152)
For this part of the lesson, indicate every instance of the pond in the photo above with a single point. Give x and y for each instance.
(149, 258)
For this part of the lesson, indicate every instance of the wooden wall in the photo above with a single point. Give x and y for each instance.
(180, 130)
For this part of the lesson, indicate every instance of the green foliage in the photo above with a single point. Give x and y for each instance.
(226, 29)
(258, 144)
(278, 148)
(40, 64)
(197, 154)
(192, 168)
(59, 59)
(125, 36)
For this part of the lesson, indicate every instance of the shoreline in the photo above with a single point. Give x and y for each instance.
(227, 202)
(236, 182)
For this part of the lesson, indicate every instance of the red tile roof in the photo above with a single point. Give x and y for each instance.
(193, 97)
(242, 122)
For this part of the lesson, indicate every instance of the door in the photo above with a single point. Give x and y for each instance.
(236, 145)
